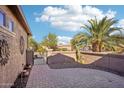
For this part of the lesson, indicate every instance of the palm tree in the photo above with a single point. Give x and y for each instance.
(79, 40)
(97, 34)
(119, 47)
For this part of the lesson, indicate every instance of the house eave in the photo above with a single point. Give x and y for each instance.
(18, 13)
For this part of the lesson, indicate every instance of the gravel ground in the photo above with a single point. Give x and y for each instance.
(42, 76)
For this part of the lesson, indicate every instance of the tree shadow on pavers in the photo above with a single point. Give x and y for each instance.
(61, 61)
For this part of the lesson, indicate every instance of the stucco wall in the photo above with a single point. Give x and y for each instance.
(114, 62)
(14, 66)
(71, 54)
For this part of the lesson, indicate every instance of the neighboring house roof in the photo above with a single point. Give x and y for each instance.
(18, 13)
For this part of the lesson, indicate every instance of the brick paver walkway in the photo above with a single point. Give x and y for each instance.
(42, 76)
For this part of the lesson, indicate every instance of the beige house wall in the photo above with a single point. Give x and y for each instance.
(14, 66)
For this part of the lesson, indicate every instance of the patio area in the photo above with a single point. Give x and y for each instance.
(45, 76)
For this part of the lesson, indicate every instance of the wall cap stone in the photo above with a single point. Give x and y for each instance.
(104, 54)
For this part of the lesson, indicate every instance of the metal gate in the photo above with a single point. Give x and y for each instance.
(29, 57)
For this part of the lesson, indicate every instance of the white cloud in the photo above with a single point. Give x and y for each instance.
(121, 23)
(70, 18)
(64, 40)
(54, 11)
(44, 17)
(73, 9)
(110, 14)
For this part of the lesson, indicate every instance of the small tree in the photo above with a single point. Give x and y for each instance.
(50, 41)
(32, 43)
(41, 49)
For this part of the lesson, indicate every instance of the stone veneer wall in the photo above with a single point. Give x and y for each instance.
(14, 66)
(114, 62)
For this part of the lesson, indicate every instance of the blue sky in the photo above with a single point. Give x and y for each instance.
(65, 21)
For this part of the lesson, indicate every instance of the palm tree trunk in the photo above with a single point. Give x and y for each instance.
(97, 46)
(100, 46)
